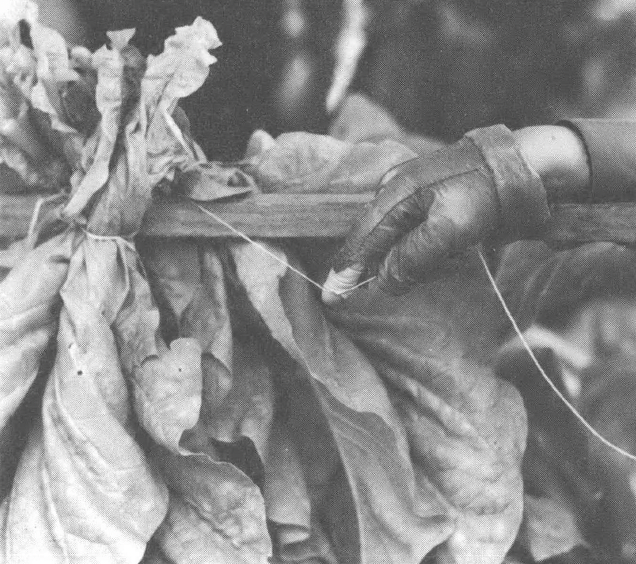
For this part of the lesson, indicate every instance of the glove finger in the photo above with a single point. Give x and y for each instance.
(339, 284)
(399, 206)
(419, 253)
(464, 213)
(374, 234)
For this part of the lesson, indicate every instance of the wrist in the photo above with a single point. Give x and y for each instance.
(522, 198)
(559, 157)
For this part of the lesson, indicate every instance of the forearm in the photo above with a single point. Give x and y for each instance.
(559, 156)
(583, 160)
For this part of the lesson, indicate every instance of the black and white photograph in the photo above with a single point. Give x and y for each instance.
(317, 281)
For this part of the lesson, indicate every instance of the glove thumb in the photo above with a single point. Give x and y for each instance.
(339, 284)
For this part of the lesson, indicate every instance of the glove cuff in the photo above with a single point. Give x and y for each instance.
(522, 197)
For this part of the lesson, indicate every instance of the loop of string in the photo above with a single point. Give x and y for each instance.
(112, 238)
(537, 364)
(122, 245)
(499, 295)
(35, 216)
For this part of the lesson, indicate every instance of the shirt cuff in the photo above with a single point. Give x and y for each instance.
(611, 151)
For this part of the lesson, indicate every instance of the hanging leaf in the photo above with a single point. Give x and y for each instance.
(109, 64)
(166, 380)
(53, 70)
(219, 513)
(286, 496)
(28, 310)
(84, 490)
(394, 524)
(216, 515)
(212, 181)
(107, 501)
(315, 549)
(466, 428)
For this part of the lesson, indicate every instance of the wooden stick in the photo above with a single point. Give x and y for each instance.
(321, 215)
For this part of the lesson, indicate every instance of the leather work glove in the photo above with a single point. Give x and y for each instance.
(435, 206)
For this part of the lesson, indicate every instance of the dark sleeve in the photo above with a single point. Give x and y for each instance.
(611, 150)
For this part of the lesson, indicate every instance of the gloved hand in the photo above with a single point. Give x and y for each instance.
(438, 205)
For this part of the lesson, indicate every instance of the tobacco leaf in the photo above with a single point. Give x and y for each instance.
(466, 428)
(286, 496)
(213, 180)
(98, 151)
(217, 513)
(52, 69)
(85, 490)
(25, 159)
(21, 174)
(546, 286)
(182, 67)
(237, 389)
(247, 409)
(469, 454)
(585, 297)
(431, 351)
(151, 145)
(394, 523)
(301, 484)
(188, 280)
(362, 119)
(315, 549)
(29, 300)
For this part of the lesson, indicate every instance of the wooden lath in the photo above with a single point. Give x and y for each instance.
(321, 215)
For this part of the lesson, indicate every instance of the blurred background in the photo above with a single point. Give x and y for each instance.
(440, 67)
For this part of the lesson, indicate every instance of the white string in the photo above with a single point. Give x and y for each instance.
(264, 249)
(555, 389)
(112, 238)
(349, 290)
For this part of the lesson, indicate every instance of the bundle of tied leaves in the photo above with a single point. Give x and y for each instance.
(84, 489)
(195, 404)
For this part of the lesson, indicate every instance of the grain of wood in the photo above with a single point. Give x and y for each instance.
(321, 216)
